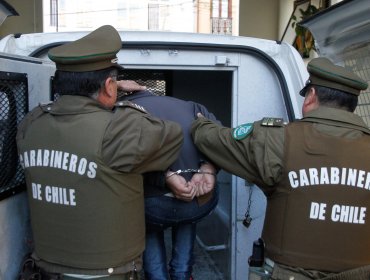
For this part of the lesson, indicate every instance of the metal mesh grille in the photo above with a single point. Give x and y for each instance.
(13, 107)
(358, 60)
(156, 81)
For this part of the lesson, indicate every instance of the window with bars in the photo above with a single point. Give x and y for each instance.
(157, 81)
(53, 12)
(13, 107)
(153, 14)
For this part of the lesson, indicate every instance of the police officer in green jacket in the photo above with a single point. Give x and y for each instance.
(315, 173)
(83, 157)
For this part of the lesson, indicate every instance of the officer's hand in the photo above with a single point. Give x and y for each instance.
(204, 183)
(199, 115)
(128, 86)
(180, 188)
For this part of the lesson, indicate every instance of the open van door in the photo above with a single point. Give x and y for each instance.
(17, 96)
(6, 10)
(342, 34)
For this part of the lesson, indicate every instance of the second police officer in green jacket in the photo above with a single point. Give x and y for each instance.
(315, 174)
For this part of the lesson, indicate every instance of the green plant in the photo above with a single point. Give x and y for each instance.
(304, 41)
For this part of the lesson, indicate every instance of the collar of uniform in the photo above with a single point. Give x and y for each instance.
(326, 115)
(75, 104)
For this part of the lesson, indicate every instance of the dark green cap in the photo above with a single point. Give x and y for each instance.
(324, 73)
(95, 51)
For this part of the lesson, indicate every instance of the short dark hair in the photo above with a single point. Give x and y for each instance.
(81, 83)
(335, 98)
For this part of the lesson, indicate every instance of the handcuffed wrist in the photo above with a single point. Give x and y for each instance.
(170, 174)
(206, 172)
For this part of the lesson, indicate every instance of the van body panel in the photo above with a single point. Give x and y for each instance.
(239, 79)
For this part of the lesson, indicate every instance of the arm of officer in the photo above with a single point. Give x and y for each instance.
(255, 155)
(129, 85)
(138, 142)
(159, 144)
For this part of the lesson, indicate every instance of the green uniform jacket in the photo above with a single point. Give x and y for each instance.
(260, 155)
(83, 166)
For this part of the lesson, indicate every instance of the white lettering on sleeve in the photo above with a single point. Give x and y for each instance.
(367, 184)
(361, 178)
(26, 161)
(72, 197)
(58, 159)
(73, 163)
(82, 166)
(362, 215)
(39, 157)
(46, 158)
(334, 175)
(52, 158)
(21, 162)
(32, 157)
(352, 175)
(324, 176)
(344, 209)
(335, 211)
(59, 195)
(92, 170)
(314, 176)
(293, 179)
(48, 193)
(317, 211)
(65, 161)
(348, 214)
(36, 191)
(344, 175)
(303, 178)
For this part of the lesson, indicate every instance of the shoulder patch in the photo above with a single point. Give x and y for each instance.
(272, 122)
(131, 105)
(242, 131)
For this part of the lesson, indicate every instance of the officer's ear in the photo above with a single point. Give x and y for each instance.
(107, 94)
(110, 86)
(311, 101)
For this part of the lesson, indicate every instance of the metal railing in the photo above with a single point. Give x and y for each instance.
(222, 26)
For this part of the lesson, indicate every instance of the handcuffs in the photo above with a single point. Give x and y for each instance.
(190, 170)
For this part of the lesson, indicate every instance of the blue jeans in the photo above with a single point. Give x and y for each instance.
(164, 212)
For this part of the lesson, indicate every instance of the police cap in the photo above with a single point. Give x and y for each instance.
(95, 51)
(326, 74)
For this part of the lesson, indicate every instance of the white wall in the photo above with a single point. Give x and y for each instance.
(259, 18)
(28, 21)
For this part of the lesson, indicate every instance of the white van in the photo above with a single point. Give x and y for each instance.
(239, 79)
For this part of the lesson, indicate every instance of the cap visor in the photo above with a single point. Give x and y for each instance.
(303, 91)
